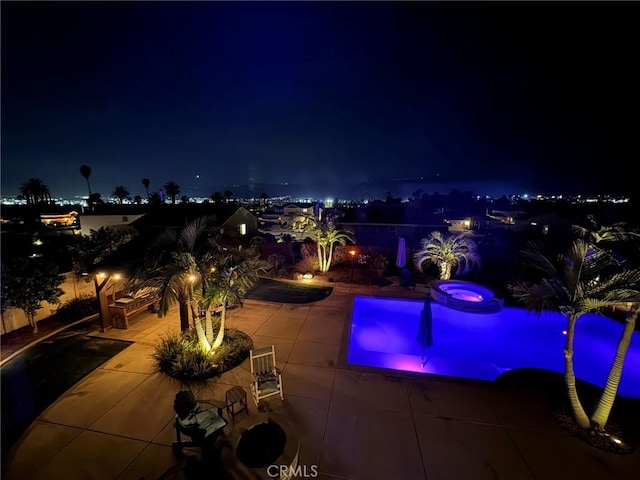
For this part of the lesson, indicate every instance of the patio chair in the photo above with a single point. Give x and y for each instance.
(266, 379)
(202, 426)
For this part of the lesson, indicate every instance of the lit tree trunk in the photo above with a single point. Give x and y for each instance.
(223, 319)
(445, 270)
(320, 258)
(325, 267)
(330, 257)
(579, 415)
(601, 415)
(208, 325)
(202, 338)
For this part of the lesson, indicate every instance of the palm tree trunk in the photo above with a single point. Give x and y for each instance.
(202, 338)
(320, 259)
(579, 415)
(330, 257)
(184, 316)
(601, 415)
(208, 325)
(445, 271)
(223, 319)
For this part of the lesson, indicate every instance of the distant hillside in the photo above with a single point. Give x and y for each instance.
(378, 189)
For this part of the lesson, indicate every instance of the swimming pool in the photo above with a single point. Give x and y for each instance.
(384, 334)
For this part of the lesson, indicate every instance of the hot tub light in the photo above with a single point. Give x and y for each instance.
(564, 332)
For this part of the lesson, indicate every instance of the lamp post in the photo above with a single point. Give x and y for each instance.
(353, 254)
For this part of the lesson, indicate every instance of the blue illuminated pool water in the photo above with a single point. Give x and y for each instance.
(483, 346)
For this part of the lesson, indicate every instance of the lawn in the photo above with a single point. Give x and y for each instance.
(287, 292)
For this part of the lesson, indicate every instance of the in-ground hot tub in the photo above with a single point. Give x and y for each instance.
(465, 296)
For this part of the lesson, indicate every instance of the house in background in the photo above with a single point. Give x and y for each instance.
(293, 210)
(235, 221)
(380, 225)
(120, 221)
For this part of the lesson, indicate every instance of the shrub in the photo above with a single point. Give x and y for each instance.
(306, 265)
(179, 355)
(78, 308)
(380, 264)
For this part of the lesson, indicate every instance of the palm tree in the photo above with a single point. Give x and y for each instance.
(173, 190)
(264, 197)
(146, 183)
(232, 281)
(303, 223)
(85, 171)
(174, 262)
(586, 278)
(613, 234)
(230, 276)
(35, 191)
(121, 193)
(448, 251)
(228, 195)
(326, 236)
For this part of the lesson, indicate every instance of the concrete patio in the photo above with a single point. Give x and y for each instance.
(350, 422)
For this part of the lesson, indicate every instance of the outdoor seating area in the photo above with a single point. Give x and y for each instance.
(333, 416)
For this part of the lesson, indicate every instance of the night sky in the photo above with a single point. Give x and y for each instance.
(538, 96)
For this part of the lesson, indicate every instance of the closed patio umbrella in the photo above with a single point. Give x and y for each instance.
(425, 333)
(401, 257)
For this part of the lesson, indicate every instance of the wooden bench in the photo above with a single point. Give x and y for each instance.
(124, 308)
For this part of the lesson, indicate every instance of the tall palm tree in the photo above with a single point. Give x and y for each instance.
(327, 235)
(85, 171)
(146, 183)
(447, 252)
(586, 278)
(173, 190)
(264, 197)
(121, 193)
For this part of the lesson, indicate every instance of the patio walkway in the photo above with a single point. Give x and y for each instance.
(352, 423)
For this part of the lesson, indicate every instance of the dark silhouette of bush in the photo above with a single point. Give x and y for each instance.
(78, 308)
